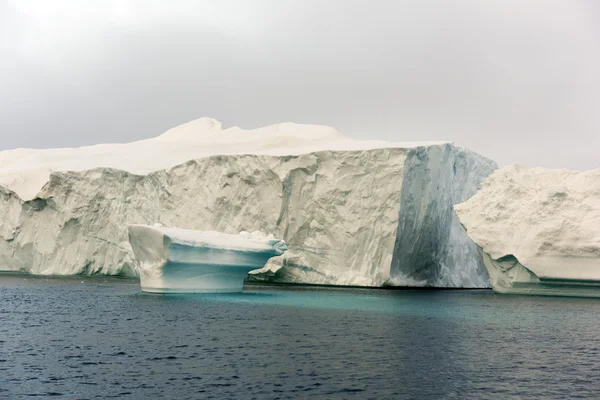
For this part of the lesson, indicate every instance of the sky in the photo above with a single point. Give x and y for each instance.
(515, 80)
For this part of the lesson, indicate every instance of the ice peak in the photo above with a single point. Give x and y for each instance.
(193, 130)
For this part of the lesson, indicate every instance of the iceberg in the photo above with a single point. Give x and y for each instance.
(175, 260)
(538, 230)
(359, 213)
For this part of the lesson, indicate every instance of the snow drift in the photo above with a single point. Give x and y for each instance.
(538, 230)
(352, 212)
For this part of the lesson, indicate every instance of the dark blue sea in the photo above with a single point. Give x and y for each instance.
(88, 338)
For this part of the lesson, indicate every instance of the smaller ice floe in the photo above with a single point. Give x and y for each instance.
(173, 260)
(538, 230)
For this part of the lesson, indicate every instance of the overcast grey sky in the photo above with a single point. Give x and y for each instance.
(516, 80)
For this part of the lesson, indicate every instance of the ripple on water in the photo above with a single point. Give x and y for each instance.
(107, 339)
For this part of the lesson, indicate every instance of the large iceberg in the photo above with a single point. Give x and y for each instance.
(538, 230)
(363, 213)
(175, 260)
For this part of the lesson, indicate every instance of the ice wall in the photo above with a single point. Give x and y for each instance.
(368, 217)
(431, 247)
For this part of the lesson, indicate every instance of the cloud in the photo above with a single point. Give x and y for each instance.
(516, 81)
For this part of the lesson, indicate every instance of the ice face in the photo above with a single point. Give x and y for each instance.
(367, 217)
(432, 248)
(537, 230)
(185, 261)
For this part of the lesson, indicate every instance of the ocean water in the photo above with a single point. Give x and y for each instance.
(85, 338)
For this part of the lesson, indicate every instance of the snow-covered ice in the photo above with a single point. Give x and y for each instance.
(364, 213)
(25, 171)
(538, 230)
(173, 260)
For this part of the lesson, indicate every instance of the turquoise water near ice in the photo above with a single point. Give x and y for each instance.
(98, 337)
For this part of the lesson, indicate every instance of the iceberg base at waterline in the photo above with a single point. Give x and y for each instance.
(509, 276)
(172, 260)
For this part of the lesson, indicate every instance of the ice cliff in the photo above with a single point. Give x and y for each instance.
(538, 230)
(172, 260)
(352, 212)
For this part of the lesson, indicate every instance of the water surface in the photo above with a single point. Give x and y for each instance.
(85, 338)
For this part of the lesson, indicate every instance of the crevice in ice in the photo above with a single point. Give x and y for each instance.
(108, 242)
(425, 214)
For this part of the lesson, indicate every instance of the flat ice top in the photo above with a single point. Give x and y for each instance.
(244, 241)
(549, 219)
(25, 171)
